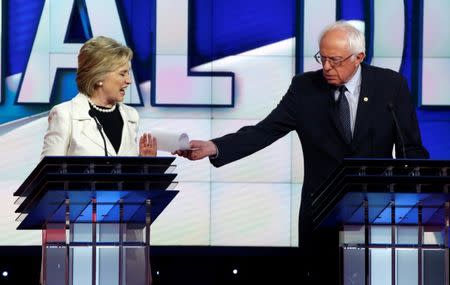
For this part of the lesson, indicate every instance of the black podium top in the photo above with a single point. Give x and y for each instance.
(118, 186)
(381, 183)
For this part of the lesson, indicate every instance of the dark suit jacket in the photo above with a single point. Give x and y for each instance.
(309, 108)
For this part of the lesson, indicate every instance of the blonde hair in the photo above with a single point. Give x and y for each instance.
(99, 56)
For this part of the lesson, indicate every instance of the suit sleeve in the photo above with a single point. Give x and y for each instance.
(57, 137)
(409, 125)
(251, 139)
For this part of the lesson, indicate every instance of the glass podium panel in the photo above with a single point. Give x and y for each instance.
(434, 267)
(406, 267)
(354, 266)
(380, 266)
(136, 270)
(55, 265)
(80, 266)
(108, 263)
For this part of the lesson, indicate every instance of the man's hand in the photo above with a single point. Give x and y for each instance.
(199, 150)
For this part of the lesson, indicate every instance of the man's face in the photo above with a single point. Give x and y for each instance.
(339, 64)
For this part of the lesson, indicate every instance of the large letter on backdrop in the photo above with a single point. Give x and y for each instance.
(50, 52)
(172, 85)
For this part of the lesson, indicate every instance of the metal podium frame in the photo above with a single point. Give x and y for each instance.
(95, 215)
(398, 206)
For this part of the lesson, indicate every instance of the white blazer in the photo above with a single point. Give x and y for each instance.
(72, 132)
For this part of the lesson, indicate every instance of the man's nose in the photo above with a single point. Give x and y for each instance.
(326, 65)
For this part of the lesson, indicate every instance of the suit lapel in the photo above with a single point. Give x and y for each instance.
(125, 132)
(92, 133)
(80, 110)
(129, 123)
(362, 122)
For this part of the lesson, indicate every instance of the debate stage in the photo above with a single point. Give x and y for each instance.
(203, 265)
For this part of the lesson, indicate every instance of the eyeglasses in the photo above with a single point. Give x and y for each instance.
(333, 61)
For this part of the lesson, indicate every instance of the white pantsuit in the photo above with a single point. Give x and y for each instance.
(71, 131)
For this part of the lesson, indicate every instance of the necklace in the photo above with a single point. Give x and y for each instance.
(103, 110)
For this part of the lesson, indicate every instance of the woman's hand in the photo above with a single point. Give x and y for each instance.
(147, 145)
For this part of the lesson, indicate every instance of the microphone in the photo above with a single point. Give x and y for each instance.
(397, 127)
(99, 127)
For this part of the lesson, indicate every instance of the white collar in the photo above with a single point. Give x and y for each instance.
(354, 82)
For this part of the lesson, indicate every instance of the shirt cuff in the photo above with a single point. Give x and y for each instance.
(217, 153)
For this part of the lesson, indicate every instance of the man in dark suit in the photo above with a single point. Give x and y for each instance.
(343, 110)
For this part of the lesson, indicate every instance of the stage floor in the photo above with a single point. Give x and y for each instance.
(199, 265)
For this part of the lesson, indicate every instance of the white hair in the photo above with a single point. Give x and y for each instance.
(355, 38)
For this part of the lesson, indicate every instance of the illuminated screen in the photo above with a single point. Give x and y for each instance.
(207, 68)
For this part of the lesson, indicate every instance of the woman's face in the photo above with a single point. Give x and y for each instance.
(115, 83)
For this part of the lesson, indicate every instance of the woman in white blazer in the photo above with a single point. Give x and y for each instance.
(103, 74)
(96, 117)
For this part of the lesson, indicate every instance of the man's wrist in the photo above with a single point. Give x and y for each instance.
(216, 155)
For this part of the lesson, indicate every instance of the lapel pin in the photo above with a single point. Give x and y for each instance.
(366, 99)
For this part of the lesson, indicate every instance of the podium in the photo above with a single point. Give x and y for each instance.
(95, 215)
(393, 220)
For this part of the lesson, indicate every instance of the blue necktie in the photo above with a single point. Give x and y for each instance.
(344, 113)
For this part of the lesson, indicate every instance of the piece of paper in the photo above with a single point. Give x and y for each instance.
(170, 141)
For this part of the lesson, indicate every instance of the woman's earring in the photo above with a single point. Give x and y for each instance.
(100, 83)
